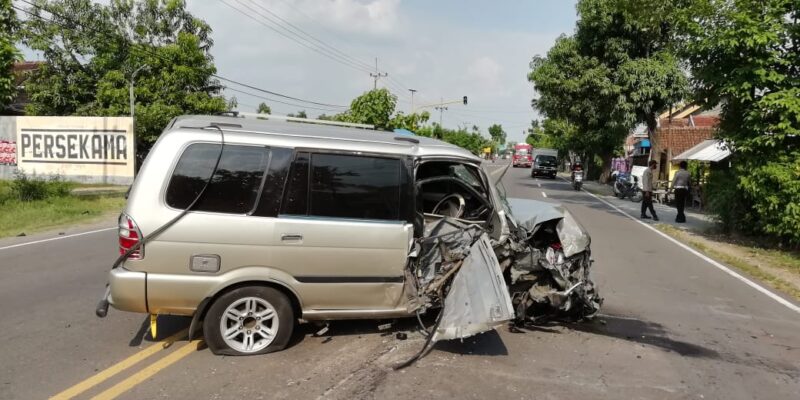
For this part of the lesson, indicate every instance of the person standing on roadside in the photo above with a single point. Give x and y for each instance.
(647, 191)
(680, 184)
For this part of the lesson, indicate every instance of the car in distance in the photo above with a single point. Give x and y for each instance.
(545, 163)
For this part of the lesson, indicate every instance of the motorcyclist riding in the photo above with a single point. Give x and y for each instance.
(576, 166)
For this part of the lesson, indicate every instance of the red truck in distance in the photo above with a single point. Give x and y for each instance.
(522, 155)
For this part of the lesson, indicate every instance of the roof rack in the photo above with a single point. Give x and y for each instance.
(304, 120)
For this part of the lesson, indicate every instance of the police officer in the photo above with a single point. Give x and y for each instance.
(647, 191)
(680, 184)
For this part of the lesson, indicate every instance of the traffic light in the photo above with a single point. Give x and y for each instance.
(465, 100)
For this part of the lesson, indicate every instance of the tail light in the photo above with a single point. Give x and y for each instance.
(129, 236)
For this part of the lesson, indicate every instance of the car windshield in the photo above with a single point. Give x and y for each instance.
(522, 152)
(549, 161)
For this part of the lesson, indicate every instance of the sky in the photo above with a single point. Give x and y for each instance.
(444, 49)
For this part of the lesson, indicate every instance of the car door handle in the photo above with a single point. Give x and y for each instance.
(286, 237)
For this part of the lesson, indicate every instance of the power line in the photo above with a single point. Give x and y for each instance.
(313, 38)
(292, 32)
(278, 94)
(281, 102)
(291, 35)
(298, 32)
(152, 52)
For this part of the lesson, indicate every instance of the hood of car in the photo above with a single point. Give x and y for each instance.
(530, 214)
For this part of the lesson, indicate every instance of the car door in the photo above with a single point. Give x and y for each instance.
(344, 230)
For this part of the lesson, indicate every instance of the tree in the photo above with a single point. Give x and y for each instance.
(301, 114)
(8, 53)
(92, 49)
(263, 108)
(611, 75)
(411, 122)
(472, 141)
(498, 134)
(374, 107)
(744, 55)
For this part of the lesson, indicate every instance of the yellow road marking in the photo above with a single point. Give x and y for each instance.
(103, 375)
(149, 371)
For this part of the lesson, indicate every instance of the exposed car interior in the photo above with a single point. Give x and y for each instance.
(451, 189)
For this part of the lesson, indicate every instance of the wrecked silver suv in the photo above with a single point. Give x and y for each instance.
(248, 225)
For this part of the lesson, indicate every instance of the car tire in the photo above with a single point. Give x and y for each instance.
(251, 334)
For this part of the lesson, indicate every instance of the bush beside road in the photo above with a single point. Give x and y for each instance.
(33, 205)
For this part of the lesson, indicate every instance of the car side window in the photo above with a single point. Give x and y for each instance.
(295, 197)
(349, 186)
(233, 188)
(269, 202)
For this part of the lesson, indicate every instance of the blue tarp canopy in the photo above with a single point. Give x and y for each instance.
(643, 143)
(401, 131)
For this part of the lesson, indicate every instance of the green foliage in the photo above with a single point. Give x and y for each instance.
(300, 114)
(611, 75)
(743, 56)
(498, 134)
(411, 122)
(773, 188)
(31, 188)
(32, 216)
(263, 108)
(551, 134)
(374, 107)
(8, 53)
(92, 50)
(472, 141)
(727, 202)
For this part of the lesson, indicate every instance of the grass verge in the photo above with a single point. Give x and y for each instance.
(778, 269)
(53, 207)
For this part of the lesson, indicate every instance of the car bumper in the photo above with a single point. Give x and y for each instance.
(127, 290)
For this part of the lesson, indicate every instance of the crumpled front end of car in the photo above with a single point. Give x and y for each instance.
(548, 259)
(540, 271)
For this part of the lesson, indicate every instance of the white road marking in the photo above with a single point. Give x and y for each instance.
(56, 238)
(705, 258)
(539, 184)
(544, 194)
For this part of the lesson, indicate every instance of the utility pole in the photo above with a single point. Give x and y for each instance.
(377, 75)
(133, 114)
(412, 99)
(441, 108)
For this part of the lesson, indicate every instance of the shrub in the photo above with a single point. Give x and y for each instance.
(773, 188)
(726, 201)
(758, 197)
(32, 188)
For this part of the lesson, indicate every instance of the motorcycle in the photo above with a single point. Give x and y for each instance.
(624, 187)
(577, 179)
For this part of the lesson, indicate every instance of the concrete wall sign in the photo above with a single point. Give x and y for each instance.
(85, 149)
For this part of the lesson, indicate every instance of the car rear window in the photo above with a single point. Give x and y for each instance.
(233, 188)
(346, 186)
(549, 161)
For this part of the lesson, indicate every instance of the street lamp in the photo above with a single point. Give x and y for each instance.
(133, 114)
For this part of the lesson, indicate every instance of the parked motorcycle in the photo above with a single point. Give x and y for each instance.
(577, 180)
(628, 186)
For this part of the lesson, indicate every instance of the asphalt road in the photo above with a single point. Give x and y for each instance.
(673, 326)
